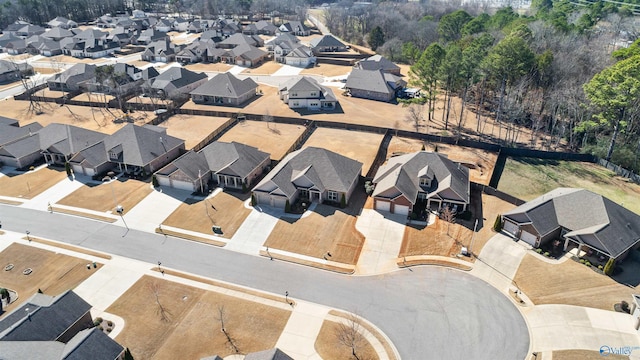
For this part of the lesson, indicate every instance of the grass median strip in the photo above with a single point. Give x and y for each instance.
(387, 347)
(69, 247)
(417, 260)
(185, 236)
(83, 214)
(10, 202)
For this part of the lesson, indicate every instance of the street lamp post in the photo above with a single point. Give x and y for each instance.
(113, 192)
(28, 238)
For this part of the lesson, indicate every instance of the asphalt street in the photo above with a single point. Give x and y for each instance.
(428, 312)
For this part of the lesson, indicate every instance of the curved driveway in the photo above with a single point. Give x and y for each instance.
(428, 312)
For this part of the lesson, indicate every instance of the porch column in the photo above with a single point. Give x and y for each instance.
(566, 244)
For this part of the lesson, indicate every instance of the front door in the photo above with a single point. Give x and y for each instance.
(304, 194)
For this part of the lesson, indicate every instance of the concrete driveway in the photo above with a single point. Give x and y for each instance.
(383, 237)
(499, 260)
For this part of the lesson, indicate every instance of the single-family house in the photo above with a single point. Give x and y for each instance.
(138, 14)
(14, 27)
(310, 174)
(30, 30)
(164, 25)
(374, 85)
(271, 354)
(10, 72)
(122, 36)
(200, 50)
(16, 47)
(228, 27)
(139, 150)
(378, 62)
(9, 122)
(238, 39)
(56, 328)
(5, 39)
(73, 78)
(305, 92)
(148, 36)
(245, 55)
(260, 27)
(90, 43)
(327, 44)
(58, 33)
(16, 156)
(227, 165)
(181, 24)
(300, 56)
(161, 50)
(591, 221)
(174, 83)
(282, 38)
(63, 23)
(225, 89)
(419, 182)
(116, 79)
(297, 28)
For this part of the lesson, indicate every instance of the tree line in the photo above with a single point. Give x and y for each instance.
(564, 72)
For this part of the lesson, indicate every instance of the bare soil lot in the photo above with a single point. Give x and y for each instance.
(30, 184)
(326, 229)
(86, 96)
(328, 70)
(192, 129)
(528, 178)
(480, 162)
(217, 67)
(266, 68)
(189, 329)
(53, 273)
(328, 347)
(271, 138)
(61, 59)
(226, 210)
(100, 197)
(360, 146)
(569, 283)
(98, 119)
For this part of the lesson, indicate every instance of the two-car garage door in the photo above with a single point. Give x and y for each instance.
(397, 209)
(525, 236)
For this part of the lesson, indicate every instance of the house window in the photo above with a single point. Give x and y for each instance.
(332, 196)
(422, 196)
(313, 104)
(313, 94)
(295, 104)
(425, 182)
(294, 94)
(113, 155)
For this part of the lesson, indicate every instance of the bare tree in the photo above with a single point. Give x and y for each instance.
(414, 116)
(349, 334)
(222, 317)
(161, 310)
(448, 215)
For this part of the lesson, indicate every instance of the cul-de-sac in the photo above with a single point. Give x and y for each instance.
(305, 179)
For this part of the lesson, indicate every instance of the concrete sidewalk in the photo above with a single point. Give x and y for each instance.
(254, 231)
(55, 193)
(301, 344)
(383, 239)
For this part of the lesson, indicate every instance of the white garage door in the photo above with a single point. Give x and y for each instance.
(529, 238)
(163, 181)
(278, 202)
(511, 227)
(383, 205)
(401, 209)
(77, 169)
(182, 185)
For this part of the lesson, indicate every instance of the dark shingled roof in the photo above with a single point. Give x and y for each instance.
(377, 62)
(590, 218)
(271, 354)
(92, 344)
(177, 76)
(226, 85)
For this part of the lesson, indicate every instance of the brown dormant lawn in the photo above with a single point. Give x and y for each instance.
(271, 138)
(219, 67)
(53, 273)
(328, 70)
(226, 210)
(584, 355)
(435, 239)
(91, 96)
(30, 184)
(100, 197)
(569, 283)
(326, 229)
(480, 162)
(97, 119)
(190, 329)
(266, 68)
(356, 145)
(192, 129)
(328, 346)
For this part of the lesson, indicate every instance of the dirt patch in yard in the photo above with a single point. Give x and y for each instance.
(209, 67)
(328, 70)
(53, 273)
(226, 210)
(326, 229)
(100, 197)
(528, 178)
(191, 128)
(479, 162)
(271, 138)
(31, 183)
(435, 239)
(98, 119)
(62, 59)
(583, 355)
(569, 283)
(328, 346)
(342, 142)
(46, 70)
(190, 329)
(266, 68)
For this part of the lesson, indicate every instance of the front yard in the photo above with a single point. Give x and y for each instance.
(226, 210)
(168, 320)
(31, 183)
(105, 196)
(328, 346)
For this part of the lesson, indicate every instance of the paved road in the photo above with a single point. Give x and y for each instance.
(429, 313)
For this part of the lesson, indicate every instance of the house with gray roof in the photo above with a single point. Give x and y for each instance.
(589, 220)
(73, 78)
(271, 354)
(241, 39)
(58, 33)
(284, 37)
(174, 83)
(10, 72)
(305, 92)
(374, 85)
(327, 44)
(227, 165)
(225, 89)
(421, 181)
(378, 62)
(8, 121)
(161, 50)
(245, 55)
(148, 36)
(138, 150)
(311, 174)
(297, 28)
(11, 133)
(300, 56)
(260, 27)
(200, 50)
(62, 22)
(55, 328)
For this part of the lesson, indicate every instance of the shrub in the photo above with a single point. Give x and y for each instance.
(582, 261)
(413, 216)
(546, 253)
(497, 225)
(244, 187)
(96, 323)
(436, 148)
(343, 201)
(253, 200)
(539, 251)
(67, 168)
(600, 267)
(624, 306)
(109, 329)
(99, 320)
(110, 323)
(154, 181)
(287, 207)
(587, 263)
(100, 328)
(609, 266)
(368, 187)
(31, 168)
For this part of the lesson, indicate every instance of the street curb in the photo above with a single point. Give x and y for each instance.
(433, 260)
(190, 237)
(333, 266)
